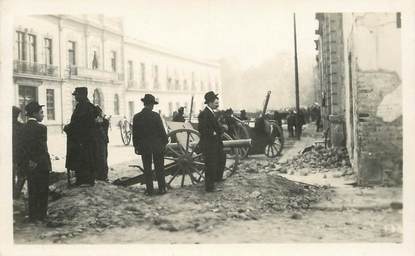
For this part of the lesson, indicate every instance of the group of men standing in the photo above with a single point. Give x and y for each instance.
(87, 141)
(150, 140)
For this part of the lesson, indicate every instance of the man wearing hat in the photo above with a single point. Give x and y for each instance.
(179, 117)
(38, 163)
(211, 141)
(150, 140)
(81, 139)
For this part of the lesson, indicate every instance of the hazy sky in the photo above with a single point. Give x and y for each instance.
(248, 31)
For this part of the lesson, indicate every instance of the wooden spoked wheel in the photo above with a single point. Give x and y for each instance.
(125, 130)
(276, 143)
(232, 154)
(183, 159)
(241, 132)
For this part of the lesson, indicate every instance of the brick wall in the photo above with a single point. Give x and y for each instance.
(379, 128)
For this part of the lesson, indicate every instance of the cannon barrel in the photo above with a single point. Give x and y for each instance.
(237, 143)
(226, 144)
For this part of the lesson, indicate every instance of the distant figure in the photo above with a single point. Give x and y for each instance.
(18, 170)
(38, 161)
(150, 140)
(277, 118)
(300, 121)
(243, 115)
(81, 139)
(101, 126)
(211, 143)
(179, 117)
(291, 119)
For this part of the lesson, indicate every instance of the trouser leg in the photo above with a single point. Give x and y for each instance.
(221, 164)
(32, 196)
(43, 191)
(211, 162)
(148, 174)
(159, 169)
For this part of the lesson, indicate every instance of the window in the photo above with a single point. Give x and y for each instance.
(71, 53)
(32, 48)
(193, 81)
(50, 104)
(177, 85)
(97, 99)
(130, 70)
(113, 61)
(156, 76)
(185, 84)
(116, 105)
(170, 108)
(48, 51)
(20, 46)
(398, 20)
(143, 75)
(95, 61)
(202, 86)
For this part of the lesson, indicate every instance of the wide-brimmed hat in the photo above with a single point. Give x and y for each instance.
(210, 96)
(81, 91)
(149, 99)
(33, 107)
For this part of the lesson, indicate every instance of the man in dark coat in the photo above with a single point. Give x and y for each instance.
(38, 161)
(179, 117)
(81, 136)
(150, 140)
(101, 126)
(211, 142)
(18, 174)
(291, 119)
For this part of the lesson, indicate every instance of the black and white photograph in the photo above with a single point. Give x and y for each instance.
(205, 123)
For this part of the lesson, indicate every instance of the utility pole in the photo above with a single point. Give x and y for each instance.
(297, 94)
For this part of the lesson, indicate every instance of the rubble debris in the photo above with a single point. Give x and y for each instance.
(245, 196)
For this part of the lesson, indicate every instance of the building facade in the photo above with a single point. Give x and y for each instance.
(360, 71)
(171, 77)
(53, 54)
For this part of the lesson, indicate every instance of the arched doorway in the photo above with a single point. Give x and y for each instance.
(98, 98)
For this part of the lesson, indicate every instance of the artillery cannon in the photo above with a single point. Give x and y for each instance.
(267, 136)
(183, 158)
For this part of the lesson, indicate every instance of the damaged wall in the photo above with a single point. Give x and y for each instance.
(373, 96)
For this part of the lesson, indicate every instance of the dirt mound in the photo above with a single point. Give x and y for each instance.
(244, 196)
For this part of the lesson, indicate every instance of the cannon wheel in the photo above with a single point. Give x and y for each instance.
(185, 161)
(125, 131)
(242, 133)
(274, 148)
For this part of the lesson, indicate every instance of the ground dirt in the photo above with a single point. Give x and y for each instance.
(289, 199)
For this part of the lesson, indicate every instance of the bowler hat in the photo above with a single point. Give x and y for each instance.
(33, 107)
(149, 99)
(80, 91)
(210, 96)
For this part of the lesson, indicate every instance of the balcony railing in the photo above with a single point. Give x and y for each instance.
(25, 67)
(95, 74)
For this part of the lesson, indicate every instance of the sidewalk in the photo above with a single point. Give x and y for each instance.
(117, 151)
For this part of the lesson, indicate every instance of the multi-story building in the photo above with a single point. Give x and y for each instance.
(360, 71)
(56, 53)
(173, 78)
(53, 54)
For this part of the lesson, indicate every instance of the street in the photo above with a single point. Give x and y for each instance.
(263, 200)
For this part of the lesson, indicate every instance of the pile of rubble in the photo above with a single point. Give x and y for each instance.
(320, 157)
(246, 195)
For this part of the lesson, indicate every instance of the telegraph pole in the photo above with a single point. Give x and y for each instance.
(297, 95)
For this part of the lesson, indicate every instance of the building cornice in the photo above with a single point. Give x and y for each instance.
(159, 49)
